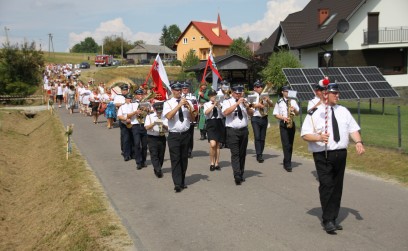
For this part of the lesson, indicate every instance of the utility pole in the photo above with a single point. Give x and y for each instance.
(7, 39)
(121, 47)
(50, 44)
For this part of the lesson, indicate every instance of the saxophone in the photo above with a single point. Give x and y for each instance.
(265, 93)
(291, 114)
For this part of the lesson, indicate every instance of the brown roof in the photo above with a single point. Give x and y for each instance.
(206, 30)
(302, 28)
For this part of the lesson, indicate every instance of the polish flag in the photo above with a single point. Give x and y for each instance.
(215, 74)
(159, 76)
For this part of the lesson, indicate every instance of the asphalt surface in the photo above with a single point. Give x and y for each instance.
(272, 210)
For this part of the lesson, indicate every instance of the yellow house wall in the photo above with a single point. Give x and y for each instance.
(200, 45)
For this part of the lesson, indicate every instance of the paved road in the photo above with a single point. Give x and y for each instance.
(272, 210)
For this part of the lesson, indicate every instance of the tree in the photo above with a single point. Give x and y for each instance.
(20, 68)
(87, 46)
(112, 45)
(239, 47)
(190, 59)
(273, 71)
(169, 35)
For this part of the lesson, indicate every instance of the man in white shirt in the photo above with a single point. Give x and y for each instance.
(179, 112)
(156, 138)
(236, 121)
(330, 152)
(287, 127)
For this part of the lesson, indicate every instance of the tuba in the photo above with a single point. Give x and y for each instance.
(144, 106)
(265, 93)
(291, 114)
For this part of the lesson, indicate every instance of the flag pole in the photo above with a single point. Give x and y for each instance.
(205, 70)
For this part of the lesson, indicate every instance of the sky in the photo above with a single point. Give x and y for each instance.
(71, 21)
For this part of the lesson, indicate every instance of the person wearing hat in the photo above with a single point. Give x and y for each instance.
(179, 112)
(215, 128)
(202, 97)
(139, 131)
(156, 139)
(185, 93)
(287, 134)
(317, 100)
(126, 116)
(119, 100)
(330, 152)
(259, 121)
(236, 122)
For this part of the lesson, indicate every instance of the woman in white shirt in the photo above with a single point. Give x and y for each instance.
(215, 128)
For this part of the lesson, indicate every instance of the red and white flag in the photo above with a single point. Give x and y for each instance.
(215, 74)
(159, 76)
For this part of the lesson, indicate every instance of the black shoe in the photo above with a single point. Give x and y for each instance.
(212, 168)
(190, 155)
(177, 189)
(288, 169)
(237, 181)
(242, 179)
(127, 158)
(144, 164)
(218, 168)
(338, 226)
(138, 166)
(259, 158)
(184, 186)
(329, 227)
(159, 174)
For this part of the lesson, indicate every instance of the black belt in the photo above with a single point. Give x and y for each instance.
(179, 133)
(155, 136)
(329, 151)
(238, 129)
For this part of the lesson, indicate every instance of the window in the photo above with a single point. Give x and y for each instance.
(327, 22)
(202, 38)
(193, 38)
(185, 40)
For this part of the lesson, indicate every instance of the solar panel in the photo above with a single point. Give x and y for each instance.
(354, 82)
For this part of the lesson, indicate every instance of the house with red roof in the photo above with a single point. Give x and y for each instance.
(201, 37)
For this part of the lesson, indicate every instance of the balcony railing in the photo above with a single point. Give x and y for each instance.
(387, 35)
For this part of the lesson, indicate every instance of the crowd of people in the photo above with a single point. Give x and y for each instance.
(222, 117)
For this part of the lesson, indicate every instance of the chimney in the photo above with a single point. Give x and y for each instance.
(323, 14)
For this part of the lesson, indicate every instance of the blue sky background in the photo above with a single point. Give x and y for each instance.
(71, 21)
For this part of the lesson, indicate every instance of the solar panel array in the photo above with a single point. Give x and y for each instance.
(354, 82)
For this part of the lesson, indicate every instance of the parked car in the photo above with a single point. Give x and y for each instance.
(116, 62)
(144, 61)
(130, 61)
(84, 65)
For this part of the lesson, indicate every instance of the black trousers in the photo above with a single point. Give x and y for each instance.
(178, 148)
(157, 149)
(237, 140)
(287, 137)
(259, 126)
(139, 134)
(126, 139)
(331, 175)
(191, 143)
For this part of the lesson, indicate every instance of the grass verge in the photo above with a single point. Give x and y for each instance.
(46, 201)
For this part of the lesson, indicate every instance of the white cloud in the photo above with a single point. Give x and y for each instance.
(276, 11)
(113, 27)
